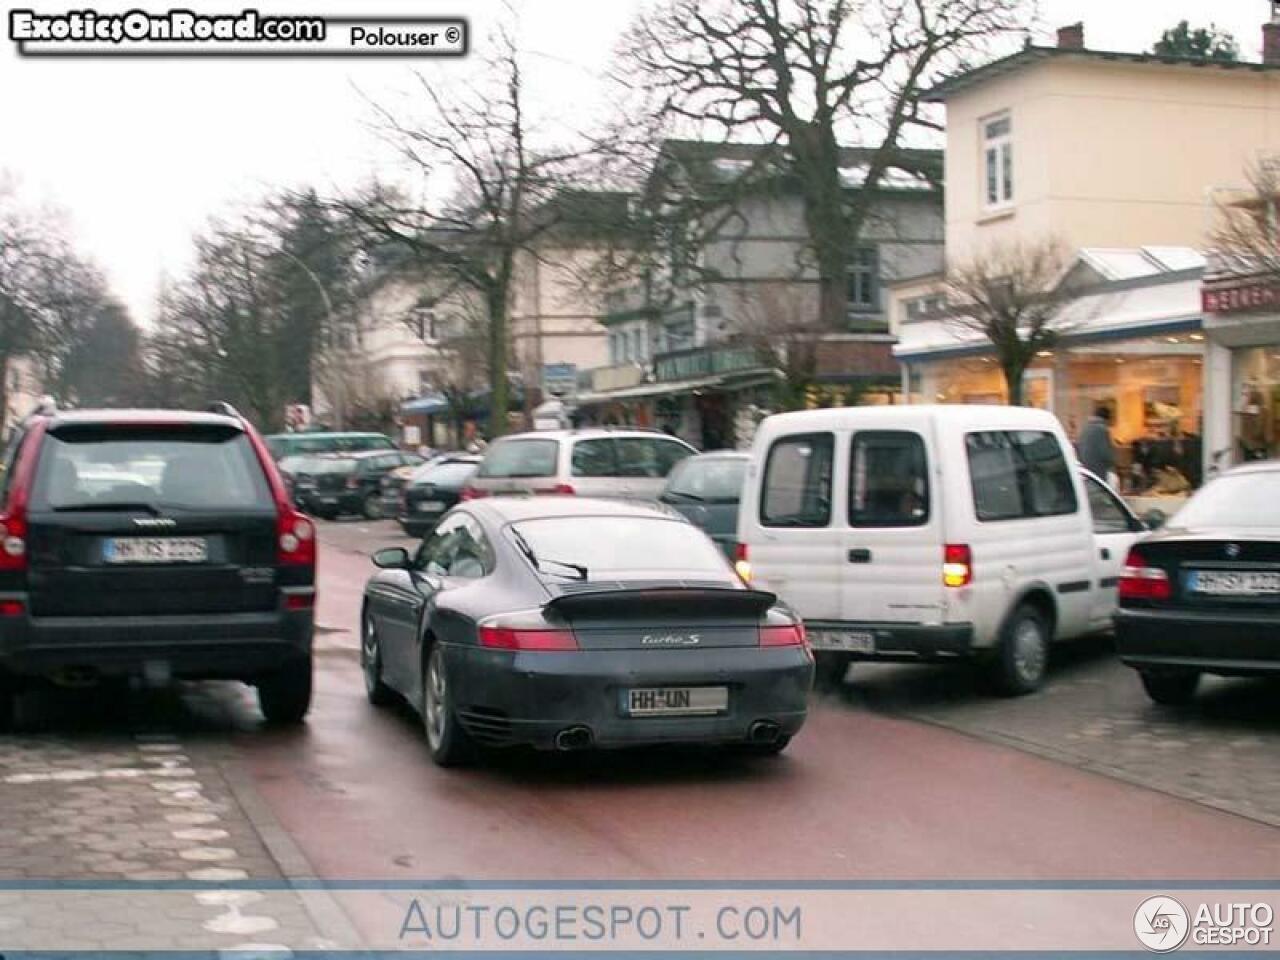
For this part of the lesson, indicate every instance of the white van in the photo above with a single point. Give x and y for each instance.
(911, 533)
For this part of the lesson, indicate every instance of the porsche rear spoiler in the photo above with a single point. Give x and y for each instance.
(673, 601)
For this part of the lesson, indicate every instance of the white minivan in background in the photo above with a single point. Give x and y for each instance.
(930, 533)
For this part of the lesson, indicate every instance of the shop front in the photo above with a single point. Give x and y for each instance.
(1242, 383)
(1139, 352)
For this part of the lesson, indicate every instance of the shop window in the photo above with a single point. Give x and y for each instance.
(797, 482)
(888, 480)
(997, 140)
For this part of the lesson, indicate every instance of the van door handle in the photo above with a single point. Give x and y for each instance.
(859, 555)
(1106, 554)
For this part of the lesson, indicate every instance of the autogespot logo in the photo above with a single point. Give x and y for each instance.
(1161, 924)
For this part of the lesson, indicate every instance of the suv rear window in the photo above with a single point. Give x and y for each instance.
(888, 480)
(797, 482)
(1017, 474)
(520, 458)
(181, 468)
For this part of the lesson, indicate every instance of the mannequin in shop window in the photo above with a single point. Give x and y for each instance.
(1254, 443)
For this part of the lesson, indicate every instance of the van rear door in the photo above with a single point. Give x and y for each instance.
(791, 529)
(891, 554)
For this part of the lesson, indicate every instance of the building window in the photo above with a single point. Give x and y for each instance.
(997, 140)
(864, 281)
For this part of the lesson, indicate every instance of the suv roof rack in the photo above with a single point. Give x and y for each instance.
(224, 408)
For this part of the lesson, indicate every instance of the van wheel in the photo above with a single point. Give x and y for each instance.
(829, 671)
(1171, 689)
(285, 695)
(1022, 660)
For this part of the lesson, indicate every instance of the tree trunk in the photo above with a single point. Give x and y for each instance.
(1014, 379)
(496, 306)
(817, 159)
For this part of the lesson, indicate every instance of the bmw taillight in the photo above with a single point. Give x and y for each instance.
(957, 565)
(472, 493)
(1138, 581)
(742, 562)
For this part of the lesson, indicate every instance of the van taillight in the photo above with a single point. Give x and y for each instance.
(1141, 582)
(957, 565)
(295, 539)
(742, 562)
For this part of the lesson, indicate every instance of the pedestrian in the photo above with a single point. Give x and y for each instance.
(1094, 447)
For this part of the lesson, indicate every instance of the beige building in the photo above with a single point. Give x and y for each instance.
(1122, 158)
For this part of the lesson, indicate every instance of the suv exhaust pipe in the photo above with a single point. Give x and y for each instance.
(574, 738)
(763, 731)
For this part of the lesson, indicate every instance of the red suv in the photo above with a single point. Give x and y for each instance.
(154, 543)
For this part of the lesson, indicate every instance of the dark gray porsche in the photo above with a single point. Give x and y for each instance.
(569, 623)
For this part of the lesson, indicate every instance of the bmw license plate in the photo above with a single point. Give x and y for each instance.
(155, 550)
(1234, 583)
(844, 641)
(430, 506)
(675, 701)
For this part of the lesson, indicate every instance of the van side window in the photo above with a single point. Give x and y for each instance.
(1017, 474)
(888, 480)
(797, 482)
(1108, 515)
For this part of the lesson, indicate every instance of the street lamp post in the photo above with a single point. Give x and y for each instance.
(331, 337)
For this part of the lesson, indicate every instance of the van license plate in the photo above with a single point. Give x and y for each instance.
(844, 641)
(155, 550)
(675, 701)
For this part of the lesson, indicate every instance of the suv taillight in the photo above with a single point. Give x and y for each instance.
(957, 565)
(13, 521)
(742, 562)
(1141, 582)
(13, 539)
(295, 539)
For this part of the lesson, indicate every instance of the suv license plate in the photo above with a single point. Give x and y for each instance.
(675, 701)
(844, 641)
(155, 550)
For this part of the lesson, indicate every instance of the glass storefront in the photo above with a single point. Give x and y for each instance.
(1255, 410)
(1151, 386)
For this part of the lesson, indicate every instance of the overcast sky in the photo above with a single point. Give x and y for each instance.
(142, 153)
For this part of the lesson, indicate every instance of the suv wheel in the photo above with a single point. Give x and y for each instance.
(372, 508)
(8, 705)
(1171, 689)
(379, 693)
(1022, 659)
(447, 741)
(285, 695)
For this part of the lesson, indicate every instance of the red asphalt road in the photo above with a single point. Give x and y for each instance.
(858, 796)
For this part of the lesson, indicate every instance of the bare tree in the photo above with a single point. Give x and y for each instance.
(1247, 235)
(802, 76)
(781, 323)
(478, 147)
(1013, 297)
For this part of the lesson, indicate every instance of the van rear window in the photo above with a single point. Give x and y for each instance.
(888, 480)
(797, 482)
(1017, 474)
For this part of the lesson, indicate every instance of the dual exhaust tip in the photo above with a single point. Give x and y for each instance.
(581, 738)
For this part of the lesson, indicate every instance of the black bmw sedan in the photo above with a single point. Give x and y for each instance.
(568, 623)
(1202, 595)
(432, 491)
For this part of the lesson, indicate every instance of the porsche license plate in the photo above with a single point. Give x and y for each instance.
(155, 550)
(675, 701)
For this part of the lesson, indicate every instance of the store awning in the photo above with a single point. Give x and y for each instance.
(739, 379)
(433, 403)
(1131, 310)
